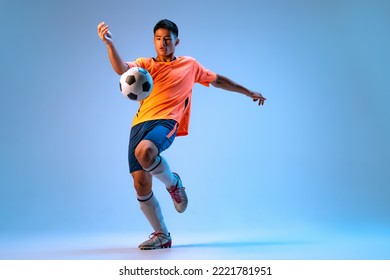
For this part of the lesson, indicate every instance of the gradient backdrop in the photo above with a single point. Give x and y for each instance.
(316, 156)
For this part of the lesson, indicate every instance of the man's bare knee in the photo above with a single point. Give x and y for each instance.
(146, 153)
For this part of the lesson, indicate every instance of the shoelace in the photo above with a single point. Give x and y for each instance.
(175, 194)
(156, 234)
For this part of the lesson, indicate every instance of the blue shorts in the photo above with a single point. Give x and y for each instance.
(160, 132)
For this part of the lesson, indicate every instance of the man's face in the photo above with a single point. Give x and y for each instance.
(165, 42)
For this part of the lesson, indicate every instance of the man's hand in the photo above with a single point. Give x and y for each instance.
(256, 96)
(104, 33)
(117, 63)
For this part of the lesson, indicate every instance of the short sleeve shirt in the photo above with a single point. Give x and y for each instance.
(172, 89)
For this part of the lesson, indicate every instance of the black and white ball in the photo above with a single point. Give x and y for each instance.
(136, 83)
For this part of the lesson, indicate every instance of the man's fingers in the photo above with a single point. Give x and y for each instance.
(102, 28)
(261, 100)
(103, 31)
(100, 25)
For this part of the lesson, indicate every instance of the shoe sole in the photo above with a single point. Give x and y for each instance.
(163, 246)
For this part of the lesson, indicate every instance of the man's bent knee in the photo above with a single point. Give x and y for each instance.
(146, 153)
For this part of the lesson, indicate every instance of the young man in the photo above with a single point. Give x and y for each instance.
(161, 117)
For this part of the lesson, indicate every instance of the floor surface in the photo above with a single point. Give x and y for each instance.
(255, 246)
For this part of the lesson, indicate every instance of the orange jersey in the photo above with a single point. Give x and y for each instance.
(172, 89)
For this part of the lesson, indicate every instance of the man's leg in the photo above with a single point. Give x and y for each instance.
(152, 211)
(163, 132)
(148, 202)
(147, 155)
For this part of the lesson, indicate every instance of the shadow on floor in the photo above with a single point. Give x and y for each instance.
(180, 251)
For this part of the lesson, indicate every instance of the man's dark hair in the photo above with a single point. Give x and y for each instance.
(167, 24)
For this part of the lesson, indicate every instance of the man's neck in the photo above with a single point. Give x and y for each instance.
(165, 58)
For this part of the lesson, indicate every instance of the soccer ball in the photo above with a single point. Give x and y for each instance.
(136, 83)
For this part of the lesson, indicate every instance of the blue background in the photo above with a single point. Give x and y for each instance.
(316, 156)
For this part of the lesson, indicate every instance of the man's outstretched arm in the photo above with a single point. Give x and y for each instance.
(227, 84)
(117, 63)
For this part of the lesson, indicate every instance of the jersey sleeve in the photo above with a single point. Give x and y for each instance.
(139, 62)
(203, 75)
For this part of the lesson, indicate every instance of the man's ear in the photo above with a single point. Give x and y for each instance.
(177, 42)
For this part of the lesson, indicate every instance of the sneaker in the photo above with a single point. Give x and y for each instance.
(178, 195)
(157, 240)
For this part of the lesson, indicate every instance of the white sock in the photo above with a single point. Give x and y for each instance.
(152, 211)
(160, 169)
